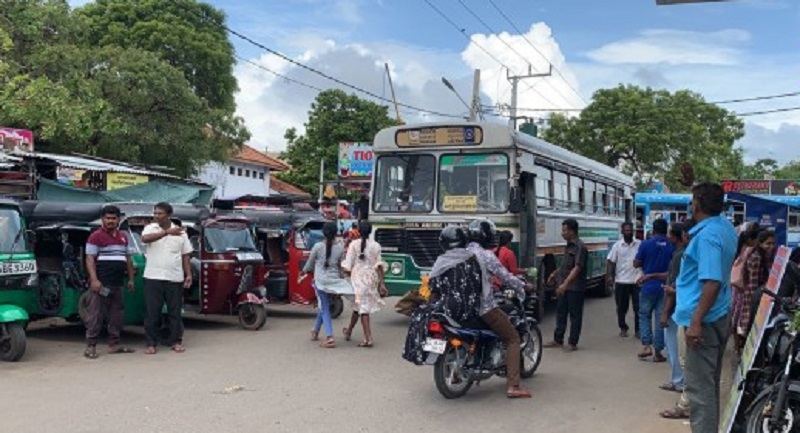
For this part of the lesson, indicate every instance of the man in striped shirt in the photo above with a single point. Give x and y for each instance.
(107, 262)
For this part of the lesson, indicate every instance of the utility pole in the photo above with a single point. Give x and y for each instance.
(514, 79)
(476, 96)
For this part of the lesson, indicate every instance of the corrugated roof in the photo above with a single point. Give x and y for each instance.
(93, 164)
(253, 156)
(282, 187)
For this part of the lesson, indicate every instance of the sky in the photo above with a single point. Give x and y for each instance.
(721, 50)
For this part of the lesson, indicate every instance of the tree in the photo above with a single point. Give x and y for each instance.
(120, 103)
(335, 117)
(652, 134)
(760, 169)
(187, 34)
(789, 171)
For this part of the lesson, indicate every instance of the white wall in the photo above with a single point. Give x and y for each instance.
(253, 179)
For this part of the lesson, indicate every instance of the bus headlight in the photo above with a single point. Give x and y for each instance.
(396, 268)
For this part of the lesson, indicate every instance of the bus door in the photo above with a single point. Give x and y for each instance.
(527, 221)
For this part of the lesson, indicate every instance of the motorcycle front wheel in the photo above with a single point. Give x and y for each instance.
(531, 352)
(450, 379)
(758, 417)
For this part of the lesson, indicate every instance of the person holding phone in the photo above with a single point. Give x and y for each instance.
(167, 273)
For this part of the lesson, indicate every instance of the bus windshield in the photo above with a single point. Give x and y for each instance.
(473, 183)
(404, 183)
(12, 239)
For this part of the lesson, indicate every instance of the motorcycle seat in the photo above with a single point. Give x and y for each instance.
(475, 325)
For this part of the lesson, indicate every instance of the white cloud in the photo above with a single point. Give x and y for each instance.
(677, 47)
(782, 144)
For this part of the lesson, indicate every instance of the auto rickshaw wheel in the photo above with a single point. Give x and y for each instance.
(337, 306)
(252, 316)
(12, 342)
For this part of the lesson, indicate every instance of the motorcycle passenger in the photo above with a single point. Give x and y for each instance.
(482, 235)
(456, 284)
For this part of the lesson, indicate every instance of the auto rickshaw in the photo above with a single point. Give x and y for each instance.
(285, 239)
(227, 269)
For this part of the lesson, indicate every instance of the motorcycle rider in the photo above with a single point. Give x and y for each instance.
(482, 234)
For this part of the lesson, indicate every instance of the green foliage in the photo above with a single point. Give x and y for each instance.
(769, 167)
(335, 117)
(650, 134)
(111, 101)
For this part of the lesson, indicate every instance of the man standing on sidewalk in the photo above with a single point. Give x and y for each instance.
(653, 258)
(703, 303)
(167, 273)
(623, 277)
(107, 262)
(571, 291)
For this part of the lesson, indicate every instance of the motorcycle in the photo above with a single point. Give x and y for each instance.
(466, 354)
(776, 409)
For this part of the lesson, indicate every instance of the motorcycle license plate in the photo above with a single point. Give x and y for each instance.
(434, 345)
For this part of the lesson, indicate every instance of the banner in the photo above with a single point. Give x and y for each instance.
(72, 176)
(762, 187)
(16, 139)
(124, 180)
(754, 338)
(356, 160)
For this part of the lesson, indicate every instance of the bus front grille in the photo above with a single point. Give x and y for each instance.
(421, 245)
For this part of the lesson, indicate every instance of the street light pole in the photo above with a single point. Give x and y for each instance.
(452, 89)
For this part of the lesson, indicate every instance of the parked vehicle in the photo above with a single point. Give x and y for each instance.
(463, 354)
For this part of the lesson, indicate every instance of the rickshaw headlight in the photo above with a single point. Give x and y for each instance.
(396, 268)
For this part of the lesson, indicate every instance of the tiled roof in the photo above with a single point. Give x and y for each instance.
(282, 187)
(252, 156)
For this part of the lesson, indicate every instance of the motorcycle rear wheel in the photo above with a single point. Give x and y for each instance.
(758, 417)
(450, 380)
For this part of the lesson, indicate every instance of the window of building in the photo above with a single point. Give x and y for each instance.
(232, 170)
(239, 170)
(247, 173)
(261, 175)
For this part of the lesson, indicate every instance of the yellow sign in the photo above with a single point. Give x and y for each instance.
(440, 136)
(460, 203)
(124, 180)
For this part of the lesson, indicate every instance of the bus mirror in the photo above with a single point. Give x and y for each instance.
(514, 202)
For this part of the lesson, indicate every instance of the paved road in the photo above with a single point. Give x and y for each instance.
(291, 385)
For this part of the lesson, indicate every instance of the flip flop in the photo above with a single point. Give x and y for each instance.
(329, 343)
(365, 343)
(671, 387)
(314, 336)
(347, 334)
(90, 352)
(675, 413)
(120, 350)
(151, 350)
(178, 348)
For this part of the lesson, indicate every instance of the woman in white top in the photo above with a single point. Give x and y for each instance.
(363, 262)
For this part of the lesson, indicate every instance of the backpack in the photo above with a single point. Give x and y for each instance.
(739, 268)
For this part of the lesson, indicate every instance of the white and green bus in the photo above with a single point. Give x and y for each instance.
(428, 176)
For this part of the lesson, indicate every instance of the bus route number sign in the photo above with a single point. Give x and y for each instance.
(439, 136)
(460, 203)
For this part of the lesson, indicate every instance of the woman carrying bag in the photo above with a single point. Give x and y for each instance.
(324, 261)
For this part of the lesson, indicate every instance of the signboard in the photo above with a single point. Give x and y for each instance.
(439, 136)
(124, 180)
(16, 139)
(655, 188)
(773, 187)
(356, 160)
(460, 203)
(72, 176)
(754, 338)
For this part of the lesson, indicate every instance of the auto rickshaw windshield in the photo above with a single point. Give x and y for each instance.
(12, 238)
(220, 240)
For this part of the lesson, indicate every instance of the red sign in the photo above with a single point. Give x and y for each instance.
(746, 186)
(16, 139)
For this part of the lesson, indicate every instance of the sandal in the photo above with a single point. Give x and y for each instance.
(365, 343)
(314, 335)
(671, 387)
(178, 348)
(329, 343)
(113, 350)
(90, 352)
(151, 350)
(518, 392)
(347, 334)
(675, 413)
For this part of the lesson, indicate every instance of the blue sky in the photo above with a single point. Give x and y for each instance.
(722, 50)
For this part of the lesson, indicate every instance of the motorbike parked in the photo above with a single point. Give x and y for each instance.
(776, 408)
(463, 354)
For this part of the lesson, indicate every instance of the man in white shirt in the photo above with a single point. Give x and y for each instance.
(623, 276)
(167, 273)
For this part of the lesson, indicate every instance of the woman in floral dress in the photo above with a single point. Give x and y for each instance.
(363, 262)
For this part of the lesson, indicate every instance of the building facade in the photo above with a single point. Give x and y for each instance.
(247, 173)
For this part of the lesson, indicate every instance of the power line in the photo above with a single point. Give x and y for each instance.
(463, 32)
(558, 71)
(304, 66)
(279, 75)
(777, 110)
(757, 98)
(743, 114)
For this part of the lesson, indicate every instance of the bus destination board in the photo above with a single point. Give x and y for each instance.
(440, 136)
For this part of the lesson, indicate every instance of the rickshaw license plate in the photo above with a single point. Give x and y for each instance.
(434, 345)
(10, 268)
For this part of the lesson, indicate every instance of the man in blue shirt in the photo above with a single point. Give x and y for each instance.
(703, 303)
(653, 258)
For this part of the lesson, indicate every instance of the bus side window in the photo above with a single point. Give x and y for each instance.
(560, 190)
(543, 184)
(599, 202)
(588, 195)
(575, 188)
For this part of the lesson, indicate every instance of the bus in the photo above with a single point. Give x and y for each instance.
(428, 176)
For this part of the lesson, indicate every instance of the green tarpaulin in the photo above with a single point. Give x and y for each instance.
(150, 192)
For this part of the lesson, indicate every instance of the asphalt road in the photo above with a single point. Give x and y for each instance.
(276, 380)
